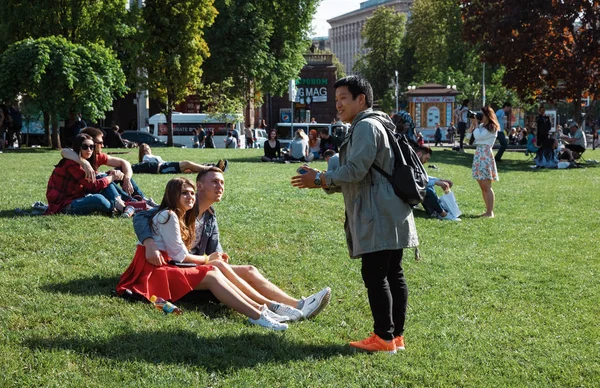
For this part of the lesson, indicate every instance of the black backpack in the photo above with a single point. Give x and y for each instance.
(409, 178)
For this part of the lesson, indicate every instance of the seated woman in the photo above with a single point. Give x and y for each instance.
(531, 142)
(272, 148)
(173, 231)
(69, 192)
(299, 148)
(548, 156)
(314, 144)
(154, 164)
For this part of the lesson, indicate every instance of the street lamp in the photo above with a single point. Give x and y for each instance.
(411, 87)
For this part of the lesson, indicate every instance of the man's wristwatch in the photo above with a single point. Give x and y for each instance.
(318, 180)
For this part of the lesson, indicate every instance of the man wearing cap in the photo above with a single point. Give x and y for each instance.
(576, 140)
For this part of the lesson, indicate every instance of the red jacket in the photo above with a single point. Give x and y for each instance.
(67, 183)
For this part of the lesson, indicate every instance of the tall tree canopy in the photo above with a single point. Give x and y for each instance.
(174, 49)
(549, 48)
(258, 44)
(61, 77)
(383, 34)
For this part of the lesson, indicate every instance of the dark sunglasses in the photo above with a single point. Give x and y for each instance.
(86, 147)
(99, 143)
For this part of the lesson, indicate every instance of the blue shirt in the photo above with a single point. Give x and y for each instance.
(501, 119)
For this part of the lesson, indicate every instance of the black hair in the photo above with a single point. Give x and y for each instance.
(424, 150)
(357, 85)
(507, 105)
(328, 153)
(465, 102)
(546, 150)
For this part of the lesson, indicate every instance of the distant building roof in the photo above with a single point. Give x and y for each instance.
(432, 90)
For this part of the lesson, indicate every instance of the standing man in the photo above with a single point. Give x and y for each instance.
(249, 137)
(460, 116)
(378, 223)
(16, 123)
(502, 115)
(543, 126)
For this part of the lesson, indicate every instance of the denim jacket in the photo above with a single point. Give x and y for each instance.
(376, 218)
(207, 231)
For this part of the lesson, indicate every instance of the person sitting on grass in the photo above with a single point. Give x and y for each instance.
(128, 190)
(333, 159)
(549, 156)
(247, 278)
(272, 148)
(173, 230)
(299, 150)
(68, 190)
(531, 142)
(432, 204)
(154, 164)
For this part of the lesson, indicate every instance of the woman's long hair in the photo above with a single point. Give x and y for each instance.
(170, 201)
(77, 148)
(546, 151)
(142, 151)
(312, 141)
(493, 125)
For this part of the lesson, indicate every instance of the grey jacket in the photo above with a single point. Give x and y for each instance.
(207, 231)
(376, 218)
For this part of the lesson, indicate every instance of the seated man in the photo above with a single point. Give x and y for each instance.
(128, 188)
(432, 204)
(576, 141)
(210, 187)
(333, 159)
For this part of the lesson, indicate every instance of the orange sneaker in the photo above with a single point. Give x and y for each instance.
(399, 342)
(375, 344)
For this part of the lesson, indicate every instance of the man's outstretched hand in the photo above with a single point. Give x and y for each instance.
(305, 181)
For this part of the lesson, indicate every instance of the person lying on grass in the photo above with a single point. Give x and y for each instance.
(173, 231)
(154, 164)
(247, 278)
(70, 192)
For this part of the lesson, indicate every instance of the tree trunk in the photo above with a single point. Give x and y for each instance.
(55, 138)
(577, 111)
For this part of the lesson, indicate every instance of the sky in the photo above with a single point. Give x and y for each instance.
(328, 9)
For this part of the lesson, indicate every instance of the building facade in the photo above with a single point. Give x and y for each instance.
(345, 34)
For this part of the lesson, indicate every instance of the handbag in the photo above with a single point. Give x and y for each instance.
(448, 202)
(137, 206)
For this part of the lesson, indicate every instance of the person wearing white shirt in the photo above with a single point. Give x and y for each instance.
(484, 166)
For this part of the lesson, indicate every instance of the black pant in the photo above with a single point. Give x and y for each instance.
(462, 129)
(503, 144)
(387, 290)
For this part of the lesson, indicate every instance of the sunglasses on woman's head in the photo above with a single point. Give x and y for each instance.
(86, 147)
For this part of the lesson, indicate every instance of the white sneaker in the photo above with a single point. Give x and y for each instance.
(316, 302)
(267, 322)
(287, 311)
(272, 315)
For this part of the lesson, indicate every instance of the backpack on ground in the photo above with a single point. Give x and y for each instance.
(409, 178)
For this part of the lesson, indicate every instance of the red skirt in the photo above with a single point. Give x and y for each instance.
(167, 281)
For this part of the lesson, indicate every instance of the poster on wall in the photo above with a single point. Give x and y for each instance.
(285, 115)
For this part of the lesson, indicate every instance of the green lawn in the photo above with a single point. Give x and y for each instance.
(511, 301)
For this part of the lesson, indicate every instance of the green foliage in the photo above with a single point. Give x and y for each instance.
(259, 45)
(174, 49)
(504, 302)
(78, 21)
(383, 34)
(62, 77)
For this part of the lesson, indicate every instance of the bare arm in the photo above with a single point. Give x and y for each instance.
(90, 174)
(126, 168)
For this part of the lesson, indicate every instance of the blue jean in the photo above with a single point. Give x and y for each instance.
(503, 144)
(121, 192)
(431, 202)
(89, 204)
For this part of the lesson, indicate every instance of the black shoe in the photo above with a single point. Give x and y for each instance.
(222, 165)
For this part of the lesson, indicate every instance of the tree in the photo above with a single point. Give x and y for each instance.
(265, 43)
(383, 34)
(61, 77)
(174, 49)
(549, 48)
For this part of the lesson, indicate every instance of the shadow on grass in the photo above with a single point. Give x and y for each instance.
(220, 354)
(27, 150)
(17, 213)
(90, 286)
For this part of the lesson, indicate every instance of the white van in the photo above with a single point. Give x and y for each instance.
(185, 125)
